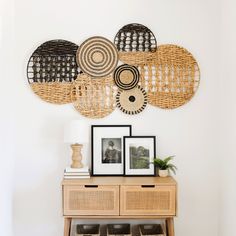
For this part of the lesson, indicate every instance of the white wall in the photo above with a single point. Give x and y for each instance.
(7, 139)
(189, 132)
(228, 117)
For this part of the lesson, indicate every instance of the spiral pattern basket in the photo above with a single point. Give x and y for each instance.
(97, 57)
(170, 77)
(126, 77)
(52, 69)
(134, 40)
(95, 98)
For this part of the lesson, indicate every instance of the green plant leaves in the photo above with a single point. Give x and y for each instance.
(163, 164)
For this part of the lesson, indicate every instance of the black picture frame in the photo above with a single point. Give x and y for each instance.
(94, 157)
(126, 165)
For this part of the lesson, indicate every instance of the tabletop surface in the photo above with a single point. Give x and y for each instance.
(110, 180)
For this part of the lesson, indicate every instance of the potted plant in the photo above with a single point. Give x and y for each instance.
(164, 167)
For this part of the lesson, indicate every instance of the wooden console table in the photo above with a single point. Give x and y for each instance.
(120, 198)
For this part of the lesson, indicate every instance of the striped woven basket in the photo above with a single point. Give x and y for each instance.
(51, 70)
(134, 41)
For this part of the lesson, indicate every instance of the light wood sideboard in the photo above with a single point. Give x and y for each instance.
(120, 198)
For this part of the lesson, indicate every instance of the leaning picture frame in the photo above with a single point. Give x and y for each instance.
(107, 157)
(139, 153)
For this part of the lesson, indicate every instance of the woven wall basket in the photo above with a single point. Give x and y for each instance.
(171, 77)
(132, 101)
(95, 98)
(126, 77)
(52, 69)
(133, 39)
(97, 57)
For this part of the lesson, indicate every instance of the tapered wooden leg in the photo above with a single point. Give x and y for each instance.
(170, 226)
(67, 226)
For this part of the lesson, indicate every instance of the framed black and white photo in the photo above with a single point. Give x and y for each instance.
(107, 149)
(139, 152)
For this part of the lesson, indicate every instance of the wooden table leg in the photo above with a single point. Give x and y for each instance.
(67, 226)
(170, 226)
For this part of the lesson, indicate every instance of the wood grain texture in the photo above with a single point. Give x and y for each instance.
(124, 181)
(170, 227)
(151, 217)
(67, 226)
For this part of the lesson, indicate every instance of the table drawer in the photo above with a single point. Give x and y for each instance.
(148, 200)
(91, 200)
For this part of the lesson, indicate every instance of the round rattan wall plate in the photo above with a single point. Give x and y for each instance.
(97, 57)
(95, 98)
(133, 41)
(171, 78)
(52, 69)
(132, 101)
(126, 77)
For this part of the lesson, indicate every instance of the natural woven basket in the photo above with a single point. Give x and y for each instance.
(133, 41)
(54, 92)
(95, 98)
(170, 76)
(52, 69)
(137, 58)
(126, 77)
(97, 57)
(135, 38)
(132, 101)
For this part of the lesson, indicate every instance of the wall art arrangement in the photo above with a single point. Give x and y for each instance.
(99, 75)
(115, 152)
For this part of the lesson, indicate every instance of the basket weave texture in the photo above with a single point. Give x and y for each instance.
(95, 98)
(136, 58)
(54, 92)
(135, 38)
(166, 76)
(170, 76)
(132, 101)
(51, 70)
(134, 41)
(126, 77)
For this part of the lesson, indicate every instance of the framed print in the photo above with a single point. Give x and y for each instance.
(139, 152)
(107, 149)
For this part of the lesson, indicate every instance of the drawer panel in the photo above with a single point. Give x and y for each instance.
(148, 200)
(91, 200)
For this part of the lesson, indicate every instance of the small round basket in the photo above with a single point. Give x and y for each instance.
(52, 69)
(132, 101)
(95, 98)
(126, 77)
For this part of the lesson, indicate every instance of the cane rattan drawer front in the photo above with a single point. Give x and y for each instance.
(148, 200)
(91, 200)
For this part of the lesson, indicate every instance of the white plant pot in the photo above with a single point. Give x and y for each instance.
(163, 173)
